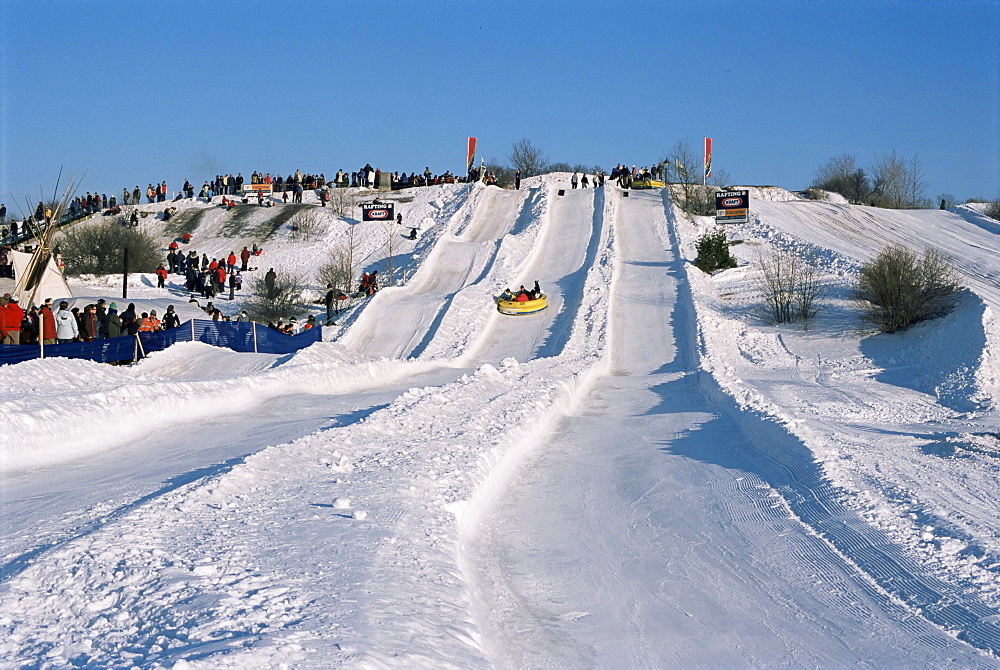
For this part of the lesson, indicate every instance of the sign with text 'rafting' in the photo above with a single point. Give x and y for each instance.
(732, 206)
(377, 211)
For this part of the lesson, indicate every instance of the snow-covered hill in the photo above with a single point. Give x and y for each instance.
(646, 474)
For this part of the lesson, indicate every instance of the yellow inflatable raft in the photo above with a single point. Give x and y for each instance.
(515, 308)
(647, 183)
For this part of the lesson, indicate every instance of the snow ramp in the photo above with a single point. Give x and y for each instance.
(401, 320)
(655, 525)
(498, 239)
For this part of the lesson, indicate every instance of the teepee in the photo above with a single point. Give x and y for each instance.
(38, 275)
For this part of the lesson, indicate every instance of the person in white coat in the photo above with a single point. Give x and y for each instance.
(66, 327)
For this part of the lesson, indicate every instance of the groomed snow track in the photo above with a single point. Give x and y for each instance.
(565, 489)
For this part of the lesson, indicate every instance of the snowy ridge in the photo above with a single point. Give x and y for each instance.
(851, 401)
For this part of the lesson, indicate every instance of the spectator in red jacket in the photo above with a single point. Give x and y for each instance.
(48, 323)
(11, 315)
(220, 278)
(161, 277)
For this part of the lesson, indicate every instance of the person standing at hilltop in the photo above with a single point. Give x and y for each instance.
(269, 280)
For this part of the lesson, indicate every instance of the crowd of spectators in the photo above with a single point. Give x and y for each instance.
(61, 325)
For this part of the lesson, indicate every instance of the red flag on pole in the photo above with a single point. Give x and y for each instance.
(471, 162)
(708, 159)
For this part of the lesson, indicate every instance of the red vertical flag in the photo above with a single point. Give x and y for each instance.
(708, 158)
(472, 156)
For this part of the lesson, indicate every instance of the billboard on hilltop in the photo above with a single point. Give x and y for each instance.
(732, 206)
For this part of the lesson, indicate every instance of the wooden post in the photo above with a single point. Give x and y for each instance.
(125, 277)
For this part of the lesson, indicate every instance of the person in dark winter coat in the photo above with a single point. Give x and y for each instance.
(170, 318)
(113, 322)
(269, 280)
(130, 321)
(330, 301)
(91, 325)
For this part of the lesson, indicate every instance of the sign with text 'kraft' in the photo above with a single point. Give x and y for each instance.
(732, 206)
(377, 211)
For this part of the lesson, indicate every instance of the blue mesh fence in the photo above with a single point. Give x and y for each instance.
(244, 337)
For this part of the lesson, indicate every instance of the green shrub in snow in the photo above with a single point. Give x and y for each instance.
(713, 252)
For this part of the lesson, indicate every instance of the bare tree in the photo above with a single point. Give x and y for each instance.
(341, 201)
(842, 175)
(338, 271)
(306, 225)
(789, 286)
(504, 174)
(897, 289)
(392, 236)
(285, 300)
(916, 183)
(897, 183)
(527, 158)
(720, 177)
(683, 166)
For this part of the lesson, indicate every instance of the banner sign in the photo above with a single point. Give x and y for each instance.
(708, 157)
(732, 206)
(471, 162)
(377, 211)
(252, 189)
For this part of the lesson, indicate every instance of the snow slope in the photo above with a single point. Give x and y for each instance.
(646, 474)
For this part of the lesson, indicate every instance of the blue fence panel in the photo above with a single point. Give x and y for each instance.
(16, 353)
(103, 351)
(235, 336)
(272, 342)
(164, 338)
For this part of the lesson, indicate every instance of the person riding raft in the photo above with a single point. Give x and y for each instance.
(523, 294)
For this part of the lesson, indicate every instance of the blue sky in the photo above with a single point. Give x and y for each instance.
(137, 92)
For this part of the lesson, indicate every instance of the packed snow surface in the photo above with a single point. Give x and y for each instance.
(646, 474)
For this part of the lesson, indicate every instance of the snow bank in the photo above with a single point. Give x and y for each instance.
(900, 423)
